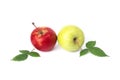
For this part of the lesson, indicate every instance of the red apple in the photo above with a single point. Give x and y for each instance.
(43, 38)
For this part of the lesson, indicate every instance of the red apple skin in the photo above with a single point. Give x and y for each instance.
(43, 38)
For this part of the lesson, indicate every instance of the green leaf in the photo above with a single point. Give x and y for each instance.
(24, 51)
(83, 52)
(34, 54)
(20, 57)
(90, 44)
(97, 51)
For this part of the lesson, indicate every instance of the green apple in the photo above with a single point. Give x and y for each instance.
(71, 38)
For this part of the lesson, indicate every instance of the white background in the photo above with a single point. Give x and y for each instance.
(99, 20)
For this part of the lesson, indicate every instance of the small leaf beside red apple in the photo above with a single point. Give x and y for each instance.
(24, 55)
(20, 57)
(34, 54)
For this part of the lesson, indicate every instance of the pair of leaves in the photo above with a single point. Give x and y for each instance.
(24, 55)
(94, 50)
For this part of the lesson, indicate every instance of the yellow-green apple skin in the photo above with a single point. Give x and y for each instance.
(71, 38)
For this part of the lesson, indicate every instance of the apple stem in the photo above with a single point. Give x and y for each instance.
(34, 24)
(75, 39)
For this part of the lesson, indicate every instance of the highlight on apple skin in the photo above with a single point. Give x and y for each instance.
(71, 38)
(43, 38)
